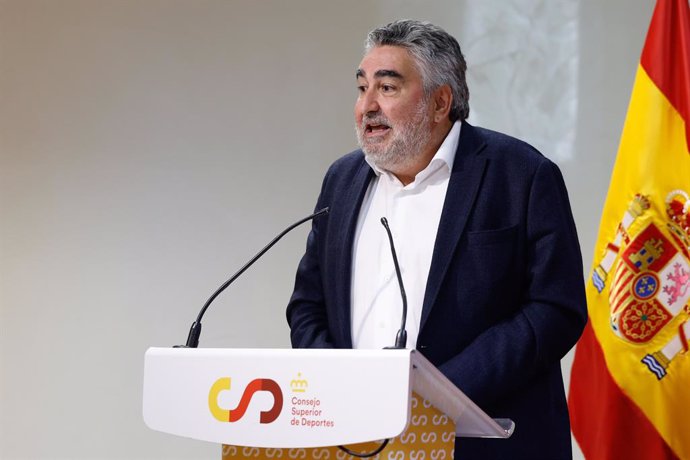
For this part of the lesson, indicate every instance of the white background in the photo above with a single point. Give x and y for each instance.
(149, 148)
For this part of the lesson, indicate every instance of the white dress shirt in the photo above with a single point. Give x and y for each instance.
(413, 212)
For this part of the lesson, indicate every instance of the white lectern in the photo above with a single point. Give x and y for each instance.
(299, 398)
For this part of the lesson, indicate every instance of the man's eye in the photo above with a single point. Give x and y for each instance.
(361, 88)
(387, 88)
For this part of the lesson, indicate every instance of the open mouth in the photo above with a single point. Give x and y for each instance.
(375, 129)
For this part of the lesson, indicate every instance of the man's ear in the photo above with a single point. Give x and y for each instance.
(443, 99)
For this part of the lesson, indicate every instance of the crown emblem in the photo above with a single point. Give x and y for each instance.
(299, 385)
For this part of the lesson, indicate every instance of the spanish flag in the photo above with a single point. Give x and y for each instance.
(630, 387)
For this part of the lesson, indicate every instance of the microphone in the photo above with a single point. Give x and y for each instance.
(401, 336)
(195, 330)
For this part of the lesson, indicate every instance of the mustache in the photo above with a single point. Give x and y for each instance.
(374, 119)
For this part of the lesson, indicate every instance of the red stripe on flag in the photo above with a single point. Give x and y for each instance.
(666, 55)
(605, 422)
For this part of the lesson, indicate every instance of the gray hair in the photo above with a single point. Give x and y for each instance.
(437, 55)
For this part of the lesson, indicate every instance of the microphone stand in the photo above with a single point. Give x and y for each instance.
(195, 330)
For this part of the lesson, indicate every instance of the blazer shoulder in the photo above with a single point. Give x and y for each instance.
(347, 167)
(508, 149)
(343, 172)
(351, 161)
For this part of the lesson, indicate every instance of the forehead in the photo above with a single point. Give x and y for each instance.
(381, 59)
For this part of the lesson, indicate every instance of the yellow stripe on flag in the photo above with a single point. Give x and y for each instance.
(652, 163)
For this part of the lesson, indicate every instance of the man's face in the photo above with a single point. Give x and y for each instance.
(392, 113)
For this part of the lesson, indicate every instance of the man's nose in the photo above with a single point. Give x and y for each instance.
(370, 103)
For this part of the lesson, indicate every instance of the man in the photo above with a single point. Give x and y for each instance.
(484, 234)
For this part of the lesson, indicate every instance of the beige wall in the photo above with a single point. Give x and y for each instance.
(149, 148)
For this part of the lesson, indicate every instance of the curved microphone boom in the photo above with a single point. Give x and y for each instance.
(195, 330)
(401, 337)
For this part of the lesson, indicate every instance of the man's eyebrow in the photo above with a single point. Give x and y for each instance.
(380, 74)
(388, 73)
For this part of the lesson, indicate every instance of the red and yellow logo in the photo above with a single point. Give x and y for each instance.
(256, 385)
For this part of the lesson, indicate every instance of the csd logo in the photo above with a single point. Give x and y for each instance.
(237, 413)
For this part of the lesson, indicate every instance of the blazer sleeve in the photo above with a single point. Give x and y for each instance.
(551, 312)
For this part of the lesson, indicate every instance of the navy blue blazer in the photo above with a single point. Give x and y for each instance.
(504, 300)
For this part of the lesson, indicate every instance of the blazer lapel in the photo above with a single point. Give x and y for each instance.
(468, 169)
(345, 230)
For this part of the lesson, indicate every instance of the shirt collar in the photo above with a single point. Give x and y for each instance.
(445, 155)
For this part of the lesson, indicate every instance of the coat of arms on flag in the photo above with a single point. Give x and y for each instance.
(648, 268)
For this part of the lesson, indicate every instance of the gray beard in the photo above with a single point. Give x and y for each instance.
(407, 145)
